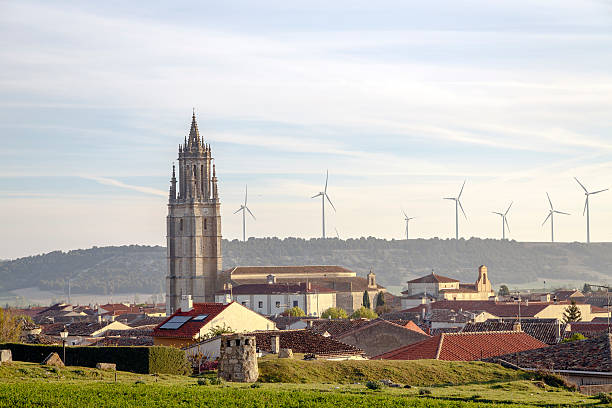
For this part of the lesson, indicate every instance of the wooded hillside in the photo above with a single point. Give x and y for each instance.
(142, 269)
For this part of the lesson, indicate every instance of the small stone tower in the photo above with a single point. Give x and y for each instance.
(193, 225)
(238, 361)
(483, 284)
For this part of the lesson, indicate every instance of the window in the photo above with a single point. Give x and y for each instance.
(246, 342)
(260, 304)
(277, 304)
(229, 343)
(181, 224)
(204, 223)
(243, 303)
(295, 303)
(237, 342)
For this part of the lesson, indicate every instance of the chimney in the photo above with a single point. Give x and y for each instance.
(555, 299)
(186, 303)
(516, 326)
(275, 344)
(271, 279)
(99, 319)
(309, 324)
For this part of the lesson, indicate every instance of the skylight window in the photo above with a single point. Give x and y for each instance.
(175, 322)
(199, 318)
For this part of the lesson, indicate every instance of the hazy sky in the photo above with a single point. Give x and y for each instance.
(399, 100)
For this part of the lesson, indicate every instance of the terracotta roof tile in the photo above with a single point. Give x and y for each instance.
(548, 332)
(191, 328)
(465, 346)
(304, 341)
(276, 288)
(583, 355)
(337, 327)
(433, 278)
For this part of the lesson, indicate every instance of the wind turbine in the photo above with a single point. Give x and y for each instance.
(407, 219)
(458, 205)
(244, 208)
(324, 195)
(504, 220)
(551, 215)
(586, 206)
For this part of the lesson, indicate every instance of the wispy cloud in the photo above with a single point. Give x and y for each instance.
(120, 184)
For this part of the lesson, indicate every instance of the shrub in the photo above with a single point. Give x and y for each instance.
(574, 337)
(139, 359)
(364, 313)
(424, 391)
(202, 381)
(216, 381)
(294, 311)
(334, 313)
(373, 385)
(604, 398)
(554, 380)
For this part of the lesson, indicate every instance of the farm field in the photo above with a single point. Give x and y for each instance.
(29, 384)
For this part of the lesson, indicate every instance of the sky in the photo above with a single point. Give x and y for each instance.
(400, 100)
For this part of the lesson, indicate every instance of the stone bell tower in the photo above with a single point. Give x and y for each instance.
(193, 225)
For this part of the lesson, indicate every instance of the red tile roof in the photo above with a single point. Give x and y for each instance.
(433, 278)
(304, 341)
(465, 346)
(337, 327)
(588, 329)
(583, 355)
(191, 328)
(549, 332)
(277, 288)
(500, 309)
(274, 270)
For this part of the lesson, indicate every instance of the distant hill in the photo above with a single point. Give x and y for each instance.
(141, 269)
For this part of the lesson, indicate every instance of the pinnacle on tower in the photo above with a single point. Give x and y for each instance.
(194, 134)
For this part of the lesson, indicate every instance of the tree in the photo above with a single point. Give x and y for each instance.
(217, 331)
(334, 313)
(10, 326)
(294, 311)
(380, 299)
(574, 337)
(586, 288)
(364, 313)
(366, 299)
(503, 291)
(572, 313)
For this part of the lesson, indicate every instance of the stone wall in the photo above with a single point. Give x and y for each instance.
(238, 362)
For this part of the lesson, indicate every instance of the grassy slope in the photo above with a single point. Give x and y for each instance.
(416, 373)
(28, 384)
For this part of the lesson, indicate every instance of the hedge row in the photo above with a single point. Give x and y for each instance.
(137, 359)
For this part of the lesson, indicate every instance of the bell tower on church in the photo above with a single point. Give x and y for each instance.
(193, 225)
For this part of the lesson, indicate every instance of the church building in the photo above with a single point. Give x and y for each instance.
(194, 248)
(193, 225)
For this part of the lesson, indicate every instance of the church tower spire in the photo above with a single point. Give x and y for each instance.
(193, 225)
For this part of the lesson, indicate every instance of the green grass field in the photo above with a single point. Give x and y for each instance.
(28, 384)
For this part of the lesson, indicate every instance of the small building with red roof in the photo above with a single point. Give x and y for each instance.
(465, 346)
(194, 322)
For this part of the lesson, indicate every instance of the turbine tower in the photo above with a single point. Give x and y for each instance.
(551, 215)
(244, 208)
(407, 219)
(324, 195)
(504, 220)
(586, 206)
(458, 205)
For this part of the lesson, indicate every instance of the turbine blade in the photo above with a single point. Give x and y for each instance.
(561, 212)
(247, 208)
(404, 212)
(494, 212)
(547, 217)
(549, 201)
(586, 203)
(332, 204)
(581, 185)
(599, 191)
(238, 210)
(326, 178)
(315, 196)
(449, 198)
(507, 225)
(460, 206)
(508, 208)
(461, 192)
(246, 192)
